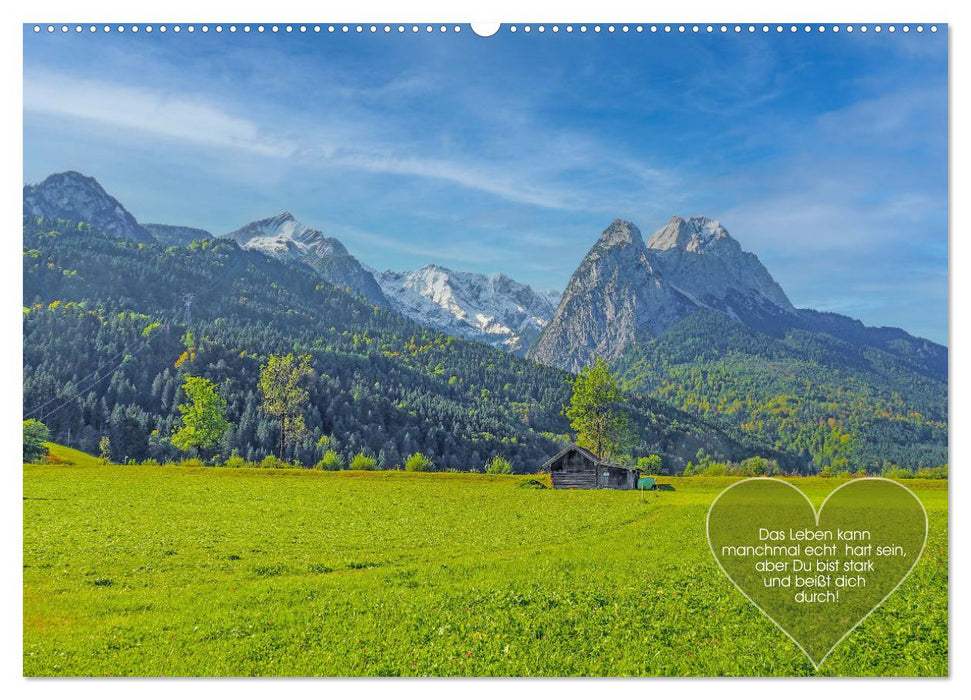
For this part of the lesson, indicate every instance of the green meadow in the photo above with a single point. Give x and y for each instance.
(172, 571)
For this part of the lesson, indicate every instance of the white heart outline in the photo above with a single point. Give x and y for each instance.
(816, 515)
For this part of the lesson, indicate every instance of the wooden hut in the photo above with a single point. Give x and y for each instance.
(577, 468)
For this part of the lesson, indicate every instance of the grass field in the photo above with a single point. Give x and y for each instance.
(59, 454)
(151, 571)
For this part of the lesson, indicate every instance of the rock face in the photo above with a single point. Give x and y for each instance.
(625, 291)
(177, 235)
(76, 197)
(698, 257)
(616, 297)
(285, 238)
(496, 310)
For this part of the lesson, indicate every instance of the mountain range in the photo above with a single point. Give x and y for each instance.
(495, 310)
(687, 317)
(107, 343)
(626, 292)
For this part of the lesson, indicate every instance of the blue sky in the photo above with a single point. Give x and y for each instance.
(824, 154)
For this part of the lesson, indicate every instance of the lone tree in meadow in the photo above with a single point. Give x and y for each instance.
(283, 395)
(596, 411)
(36, 435)
(203, 416)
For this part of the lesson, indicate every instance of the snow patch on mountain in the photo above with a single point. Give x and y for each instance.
(496, 310)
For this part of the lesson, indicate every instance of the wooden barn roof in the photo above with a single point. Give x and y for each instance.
(587, 453)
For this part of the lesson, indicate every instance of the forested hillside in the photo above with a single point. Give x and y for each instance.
(109, 338)
(835, 404)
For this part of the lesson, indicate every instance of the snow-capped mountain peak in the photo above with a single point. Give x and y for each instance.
(285, 238)
(497, 310)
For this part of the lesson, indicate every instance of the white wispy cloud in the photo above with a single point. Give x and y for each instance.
(465, 174)
(182, 117)
(894, 119)
(538, 166)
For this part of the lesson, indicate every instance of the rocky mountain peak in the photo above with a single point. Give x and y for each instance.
(285, 238)
(699, 257)
(76, 197)
(620, 233)
(625, 292)
(71, 178)
(615, 298)
(691, 234)
(281, 219)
